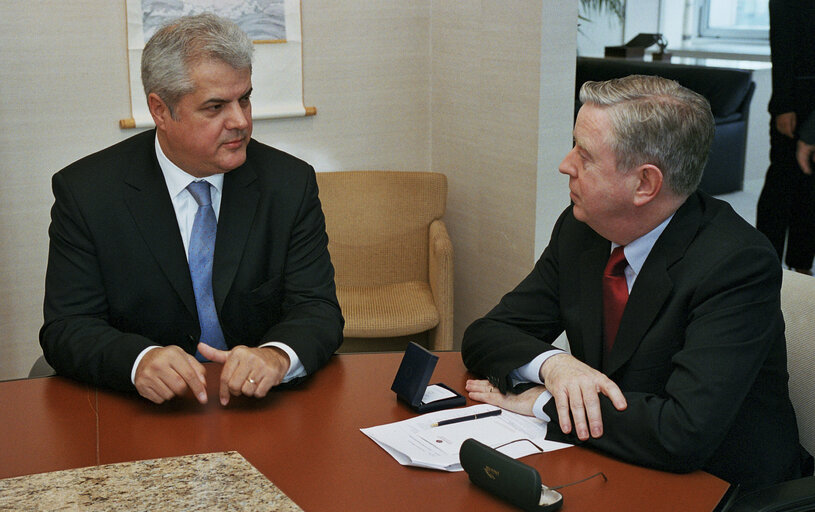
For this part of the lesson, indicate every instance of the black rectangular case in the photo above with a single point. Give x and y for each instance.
(413, 377)
(507, 478)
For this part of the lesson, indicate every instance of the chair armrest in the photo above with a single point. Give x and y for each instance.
(440, 269)
(795, 495)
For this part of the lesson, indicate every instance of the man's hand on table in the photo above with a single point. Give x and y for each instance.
(483, 391)
(248, 371)
(576, 387)
(167, 372)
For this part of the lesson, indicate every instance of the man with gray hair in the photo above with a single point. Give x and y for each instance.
(190, 242)
(669, 300)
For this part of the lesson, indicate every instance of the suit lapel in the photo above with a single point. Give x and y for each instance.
(592, 263)
(238, 205)
(654, 284)
(149, 203)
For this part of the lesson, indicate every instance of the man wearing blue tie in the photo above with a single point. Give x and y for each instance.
(190, 242)
(670, 302)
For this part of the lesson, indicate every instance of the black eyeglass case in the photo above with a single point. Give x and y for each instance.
(507, 478)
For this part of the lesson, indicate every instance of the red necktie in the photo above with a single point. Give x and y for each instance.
(615, 295)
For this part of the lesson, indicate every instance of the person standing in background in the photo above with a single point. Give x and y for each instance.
(786, 207)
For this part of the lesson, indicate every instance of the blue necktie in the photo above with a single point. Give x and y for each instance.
(201, 252)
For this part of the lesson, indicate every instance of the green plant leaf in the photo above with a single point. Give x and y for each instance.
(615, 7)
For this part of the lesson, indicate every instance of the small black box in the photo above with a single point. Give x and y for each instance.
(635, 48)
(413, 377)
(625, 52)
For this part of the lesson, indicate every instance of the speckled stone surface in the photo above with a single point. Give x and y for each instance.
(210, 481)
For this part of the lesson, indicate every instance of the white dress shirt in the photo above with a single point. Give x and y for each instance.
(185, 209)
(636, 253)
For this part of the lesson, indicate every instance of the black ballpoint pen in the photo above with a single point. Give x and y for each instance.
(487, 414)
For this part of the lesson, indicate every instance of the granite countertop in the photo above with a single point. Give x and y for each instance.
(210, 481)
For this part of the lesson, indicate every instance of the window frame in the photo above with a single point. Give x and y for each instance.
(704, 30)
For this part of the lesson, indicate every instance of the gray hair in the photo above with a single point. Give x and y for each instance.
(172, 51)
(656, 121)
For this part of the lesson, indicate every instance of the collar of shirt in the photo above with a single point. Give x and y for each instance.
(177, 181)
(637, 252)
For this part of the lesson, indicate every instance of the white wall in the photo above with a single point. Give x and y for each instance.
(555, 117)
(63, 89)
(501, 109)
(598, 30)
(641, 16)
(601, 29)
(478, 90)
(757, 158)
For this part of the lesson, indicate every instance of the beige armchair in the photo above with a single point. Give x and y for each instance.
(798, 305)
(391, 253)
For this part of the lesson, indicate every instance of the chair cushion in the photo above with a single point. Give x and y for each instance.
(388, 310)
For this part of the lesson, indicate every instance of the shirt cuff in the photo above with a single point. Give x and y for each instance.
(296, 368)
(537, 408)
(138, 360)
(531, 371)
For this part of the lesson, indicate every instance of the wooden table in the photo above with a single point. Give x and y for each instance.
(307, 441)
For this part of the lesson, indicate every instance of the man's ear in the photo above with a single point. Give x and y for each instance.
(159, 110)
(649, 184)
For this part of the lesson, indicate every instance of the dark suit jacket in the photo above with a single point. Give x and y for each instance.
(700, 354)
(118, 280)
(807, 131)
(792, 45)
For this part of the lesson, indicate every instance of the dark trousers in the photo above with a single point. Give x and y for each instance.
(786, 207)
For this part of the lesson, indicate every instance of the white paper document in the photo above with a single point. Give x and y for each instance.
(435, 393)
(414, 442)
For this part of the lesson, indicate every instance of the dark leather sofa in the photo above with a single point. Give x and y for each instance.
(729, 92)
